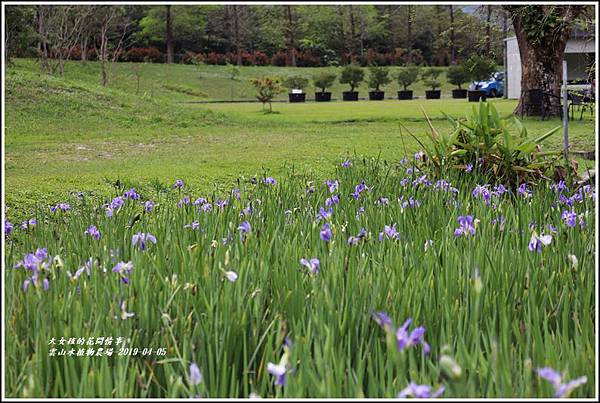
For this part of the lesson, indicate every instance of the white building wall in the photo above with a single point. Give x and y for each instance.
(513, 69)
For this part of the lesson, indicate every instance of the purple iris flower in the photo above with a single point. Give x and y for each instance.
(141, 238)
(236, 193)
(422, 180)
(206, 207)
(148, 206)
(560, 187)
(184, 201)
(405, 340)
(117, 202)
(178, 184)
(332, 185)
(346, 164)
(360, 211)
(498, 220)
(222, 203)
(195, 374)
(354, 240)
(334, 199)
(466, 226)
(60, 206)
(32, 261)
(194, 225)
(312, 264)
(114, 205)
(420, 391)
(404, 161)
(246, 211)
(358, 189)
(469, 168)
(131, 194)
(412, 203)
(8, 227)
(278, 371)
(383, 320)
(419, 154)
(310, 189)
(270, 181)
(93, 232)
(123, 269)
(482, 192)
(537, 242)
(325, 233)
(200, 201)
(324, 214)
(244, 227)
(404, 182)
(383, 201)
(561, 389)
(389, 232)
(409, 170)
(570, 218)
(31, 223)
(523, 191)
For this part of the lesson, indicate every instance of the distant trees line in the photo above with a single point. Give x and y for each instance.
(291, 35)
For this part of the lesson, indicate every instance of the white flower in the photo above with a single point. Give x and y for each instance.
(231, 276)
(573, 260)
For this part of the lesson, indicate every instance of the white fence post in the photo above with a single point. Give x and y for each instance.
(565, 111)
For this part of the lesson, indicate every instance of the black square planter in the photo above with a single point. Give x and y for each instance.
(376, 95)
(350, 95)
(408, 94)
(297, 97)
(459, 93)
(322, 96)
(433, 94)
(474, 96)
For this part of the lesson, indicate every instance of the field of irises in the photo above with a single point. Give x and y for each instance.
(380, 282)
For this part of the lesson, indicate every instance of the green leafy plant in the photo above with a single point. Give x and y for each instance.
(352, 75)
(324, 80)
(296, 82)
(268, 88)
(407, 76)
(499, 146)
(479, 67)
(457, 75)
(378, 76)
(429, 78)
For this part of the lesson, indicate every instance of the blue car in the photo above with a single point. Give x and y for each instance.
(493, 87)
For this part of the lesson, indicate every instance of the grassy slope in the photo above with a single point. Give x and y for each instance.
(67, 134)
(205, 83)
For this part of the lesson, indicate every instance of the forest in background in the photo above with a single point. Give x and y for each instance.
(284, 35)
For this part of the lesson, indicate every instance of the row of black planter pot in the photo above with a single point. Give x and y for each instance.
(473, 96)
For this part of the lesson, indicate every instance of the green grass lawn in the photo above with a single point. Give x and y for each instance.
(71, 134)
(206, 83)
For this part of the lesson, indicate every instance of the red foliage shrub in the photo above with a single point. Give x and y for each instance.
(150, 54)
(306, 59)
(260, 58)
(279, 59)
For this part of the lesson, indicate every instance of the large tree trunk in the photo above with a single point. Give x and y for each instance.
(236, 34)
(542, 55)
(291, 37)
(169, 36)
(488, 31)
(409, 39)
(84, 47)
(452, 46)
